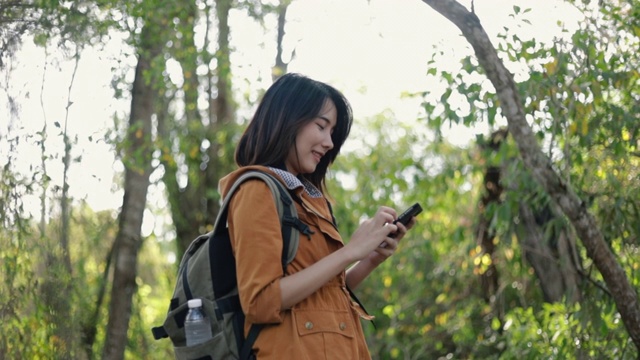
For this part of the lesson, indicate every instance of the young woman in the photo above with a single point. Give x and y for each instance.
(296, 134)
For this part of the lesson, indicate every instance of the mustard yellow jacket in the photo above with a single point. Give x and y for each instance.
(326, 325)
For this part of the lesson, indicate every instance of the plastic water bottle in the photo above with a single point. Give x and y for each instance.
(197, 325)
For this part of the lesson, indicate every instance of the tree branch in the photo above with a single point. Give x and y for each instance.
(574, 208)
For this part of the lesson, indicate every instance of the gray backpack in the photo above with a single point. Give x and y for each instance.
(207, 271)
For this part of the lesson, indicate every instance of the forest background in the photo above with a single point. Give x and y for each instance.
(519, 137)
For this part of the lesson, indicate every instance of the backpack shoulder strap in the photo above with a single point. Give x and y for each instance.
(286, 212)
(288, 219)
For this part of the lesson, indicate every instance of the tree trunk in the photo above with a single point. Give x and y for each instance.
(561, 193)
(547, 247)
(186, 201)
(224, 110)
(194, 206)
(137, 161)
(489, 277)
(552, 257)
(485, 236)
(90, 327)
(57, 287)
(280, 68)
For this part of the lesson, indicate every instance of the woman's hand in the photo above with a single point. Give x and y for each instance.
(372, 233)
(382, 253)
(377, 255)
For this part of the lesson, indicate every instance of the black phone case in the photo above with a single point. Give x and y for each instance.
(406, 216)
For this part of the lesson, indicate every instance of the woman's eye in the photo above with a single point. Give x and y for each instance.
(320, 126)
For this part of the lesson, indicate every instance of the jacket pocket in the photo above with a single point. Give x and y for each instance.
(319, 321)
(331, 333)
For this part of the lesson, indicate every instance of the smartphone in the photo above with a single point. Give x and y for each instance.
(404, 218)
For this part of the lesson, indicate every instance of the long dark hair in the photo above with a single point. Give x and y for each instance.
(291, 102)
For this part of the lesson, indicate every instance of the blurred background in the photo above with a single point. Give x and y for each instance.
(118, 118)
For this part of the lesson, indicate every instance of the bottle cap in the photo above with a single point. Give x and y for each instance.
(194, 303)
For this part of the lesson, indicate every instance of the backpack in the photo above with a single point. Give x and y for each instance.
(207, 271)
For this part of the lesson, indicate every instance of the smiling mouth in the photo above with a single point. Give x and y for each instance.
(317, 155)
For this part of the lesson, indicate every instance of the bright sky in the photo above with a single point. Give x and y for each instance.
(373, 50)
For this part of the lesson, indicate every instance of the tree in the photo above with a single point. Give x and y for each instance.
(561, 192)
(195, 147)
(198, 144)
(71, 26)
(137, 156)
(280, 67)
(545, 240)
(412, 295)
(58, 281)
(12, 19)
(16, 278)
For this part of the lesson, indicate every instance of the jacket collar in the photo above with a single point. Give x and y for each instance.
(292, 182)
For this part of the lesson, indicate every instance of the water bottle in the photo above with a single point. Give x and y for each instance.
(197, 326)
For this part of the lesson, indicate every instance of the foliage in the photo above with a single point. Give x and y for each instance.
(70, 24)
(420, 296)
(581, 97)
(30, 322)
(577, 96)
(558, 331)
(23, 335)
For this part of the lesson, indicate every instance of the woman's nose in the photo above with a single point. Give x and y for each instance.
(328, 142)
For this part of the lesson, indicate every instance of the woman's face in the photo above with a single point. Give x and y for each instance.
(313, 141)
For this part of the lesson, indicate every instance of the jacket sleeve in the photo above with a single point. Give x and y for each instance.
(256, 239)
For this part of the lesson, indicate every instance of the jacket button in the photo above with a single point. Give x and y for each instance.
(308, 325)
(343, 326)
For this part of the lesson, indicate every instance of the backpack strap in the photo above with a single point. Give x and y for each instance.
(246, 350)
(286, 212)
(288, 221)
